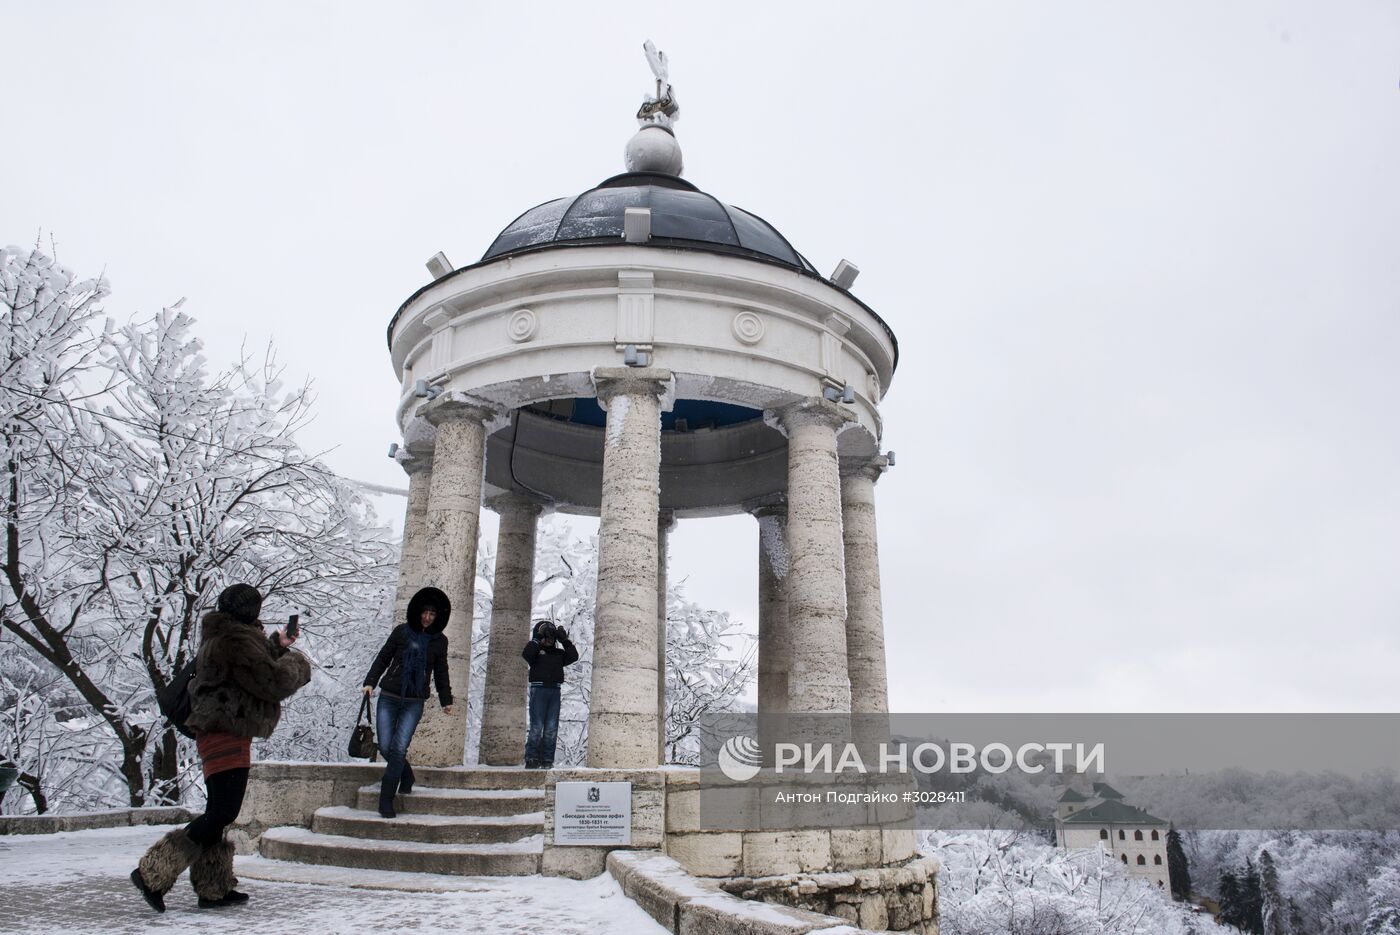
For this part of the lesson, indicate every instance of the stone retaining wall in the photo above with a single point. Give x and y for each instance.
(281, 794)
(84, 821)
(870, 877)
(687, 905)
(770, 853)
(902, 898)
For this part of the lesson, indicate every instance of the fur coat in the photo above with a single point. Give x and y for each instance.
(241, 677)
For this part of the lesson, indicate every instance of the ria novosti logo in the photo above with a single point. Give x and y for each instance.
(739, 758)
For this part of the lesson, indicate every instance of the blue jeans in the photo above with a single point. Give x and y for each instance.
(398, 719)
(544, 724)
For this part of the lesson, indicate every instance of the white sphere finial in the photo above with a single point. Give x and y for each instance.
(654, 148)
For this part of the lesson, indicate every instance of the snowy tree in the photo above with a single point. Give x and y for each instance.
(1011, 882)
(1274, 917)
(1231, 901)
(709, 664)
(1383, 917)
(1178, 867)
(137, 486)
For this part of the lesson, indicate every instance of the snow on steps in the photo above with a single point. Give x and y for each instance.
(480, 777)
(257, 867)
(457, 801)
(306, 846)
(430, 828)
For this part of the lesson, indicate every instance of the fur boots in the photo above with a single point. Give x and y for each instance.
(211, 875)
(162, 865)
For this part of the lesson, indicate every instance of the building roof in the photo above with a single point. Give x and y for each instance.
(1104, 791)
(681, 215)
(1070, 795)
(1112, 812)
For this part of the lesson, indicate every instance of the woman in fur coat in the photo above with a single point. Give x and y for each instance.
(414, 655)
(241, 678)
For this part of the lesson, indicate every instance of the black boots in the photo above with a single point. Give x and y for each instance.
(154, 899)
(231, 898)
(388, 788)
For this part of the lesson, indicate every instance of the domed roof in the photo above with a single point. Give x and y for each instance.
(681, 216)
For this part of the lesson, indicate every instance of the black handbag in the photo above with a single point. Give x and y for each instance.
(362, 746)
(174, 699)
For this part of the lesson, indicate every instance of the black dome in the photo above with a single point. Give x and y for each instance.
(681, 215)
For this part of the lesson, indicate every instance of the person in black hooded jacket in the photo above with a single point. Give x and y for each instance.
(547, 653)
(414, 654)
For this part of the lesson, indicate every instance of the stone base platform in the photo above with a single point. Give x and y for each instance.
(500, 820)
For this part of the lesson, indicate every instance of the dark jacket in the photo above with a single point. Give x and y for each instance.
(547, 662)
(241, 677)
(387, 670)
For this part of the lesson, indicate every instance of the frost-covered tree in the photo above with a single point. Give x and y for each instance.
(709, 664)
(1383, 917)
(1273, 915)
(1178, 867)
(1251, 898)
(1012, 882)
(1230, 899)
(138, 484)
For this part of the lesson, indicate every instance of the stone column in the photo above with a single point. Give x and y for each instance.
(503, 712)
(622, 727)
(453, 518)
(665, 522)
(816, 580)
(414, 554)
(865, 625)
(773, 648)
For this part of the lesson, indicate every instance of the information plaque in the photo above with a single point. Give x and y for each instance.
(593, 813)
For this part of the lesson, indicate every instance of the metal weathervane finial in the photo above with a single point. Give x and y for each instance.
(661, 108)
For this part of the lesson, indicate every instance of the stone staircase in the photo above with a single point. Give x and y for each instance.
(473, 822)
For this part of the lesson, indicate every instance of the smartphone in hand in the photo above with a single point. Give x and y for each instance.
(293, 626)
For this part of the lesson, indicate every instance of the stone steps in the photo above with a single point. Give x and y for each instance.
(520, 857)
(257, 867)
(479, 777)
(428, 828)
(434, 800)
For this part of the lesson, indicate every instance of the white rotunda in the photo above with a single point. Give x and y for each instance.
(644, 352)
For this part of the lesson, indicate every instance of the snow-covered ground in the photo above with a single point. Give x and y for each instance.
(76, 882)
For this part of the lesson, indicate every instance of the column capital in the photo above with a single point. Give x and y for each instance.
(416, 464)
(515, 502)
(665, 520)
(871, 468)
(610, 382)
(766, 506)
(813, 411)
(453, 407)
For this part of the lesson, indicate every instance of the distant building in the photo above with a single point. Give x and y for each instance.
(1100, 818)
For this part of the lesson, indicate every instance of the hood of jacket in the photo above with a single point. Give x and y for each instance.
(434, 597)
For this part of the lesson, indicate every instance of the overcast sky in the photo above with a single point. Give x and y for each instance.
(1143, 262)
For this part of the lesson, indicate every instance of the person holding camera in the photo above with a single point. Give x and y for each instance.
(242, 676)
(414, 655)
(548, 653)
